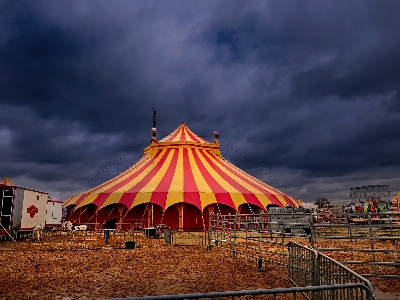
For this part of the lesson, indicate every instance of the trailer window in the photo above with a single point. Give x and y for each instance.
(7, 205)
(8, 192)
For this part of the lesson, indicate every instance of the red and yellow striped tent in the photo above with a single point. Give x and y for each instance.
(179, 181)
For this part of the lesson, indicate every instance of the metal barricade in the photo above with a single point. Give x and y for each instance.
(295, 292)
(307, 267)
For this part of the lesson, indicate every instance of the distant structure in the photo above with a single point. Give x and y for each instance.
(22, 209)
(370, 193)
(371, 198)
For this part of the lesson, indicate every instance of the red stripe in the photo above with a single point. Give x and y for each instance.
(101, 198)
(191, 192)
(193, 137)
(182, 137)
(221, 195)
(248, 195)
(118, 185)
(130, 195)
(77, 202)
(159, 196)
(173, 136)
(271, 196)
(141, 161)
(80, 199)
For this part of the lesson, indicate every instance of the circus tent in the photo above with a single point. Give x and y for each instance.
(179, 181)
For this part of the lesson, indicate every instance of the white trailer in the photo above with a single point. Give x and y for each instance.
(54, 213)
(21, 209)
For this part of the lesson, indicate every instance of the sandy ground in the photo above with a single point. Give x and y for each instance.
(40, 271)
(65, 267)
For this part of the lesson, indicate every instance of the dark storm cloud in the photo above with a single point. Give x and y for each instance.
(304, 94)
(60, 73)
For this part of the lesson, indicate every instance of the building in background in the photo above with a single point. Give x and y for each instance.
(371, 198)
(21, 209)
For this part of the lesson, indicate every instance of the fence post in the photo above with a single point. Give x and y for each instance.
(234, 236)
(316, 274)
(210, 230)
(312, 227)
(371, 243)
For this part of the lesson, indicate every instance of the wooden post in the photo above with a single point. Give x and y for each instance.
(149, 207)
(180, 207)
(96, 224)
(237, 220)
(121, 210)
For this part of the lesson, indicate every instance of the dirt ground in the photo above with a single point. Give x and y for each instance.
(46, 271)
(65, 267)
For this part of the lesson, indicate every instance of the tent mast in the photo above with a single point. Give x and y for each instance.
(154, 130)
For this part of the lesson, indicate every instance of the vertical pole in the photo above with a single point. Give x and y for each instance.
(152, 215)
(148, 216)
(371, 242)
(210, 231)
(154, 118)
(312, 227)
(96, 224)
(234, 236)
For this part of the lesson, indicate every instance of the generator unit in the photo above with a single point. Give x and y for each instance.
(289, 220)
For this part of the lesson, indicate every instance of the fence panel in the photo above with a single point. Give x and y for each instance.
(293, 293)
(308, 267)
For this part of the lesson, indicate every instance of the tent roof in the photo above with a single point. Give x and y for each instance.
(6, 181)
(182, 167)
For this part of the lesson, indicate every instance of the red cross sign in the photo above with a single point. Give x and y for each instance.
(32, 210)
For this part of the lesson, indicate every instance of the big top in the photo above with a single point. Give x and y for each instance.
(179, 181)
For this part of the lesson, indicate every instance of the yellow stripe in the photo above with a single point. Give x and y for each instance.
(175, 193)
(264, 200)
(207, 195)
(116, 196)
(257, 182)
(92, 196)
(236, 196)
(113, 198)
(112, 182)
(145, 193)
(89, 199)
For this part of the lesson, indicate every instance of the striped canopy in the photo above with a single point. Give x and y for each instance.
(6, 181)
(182, 168)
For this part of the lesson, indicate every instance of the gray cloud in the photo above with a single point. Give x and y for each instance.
(304, 95)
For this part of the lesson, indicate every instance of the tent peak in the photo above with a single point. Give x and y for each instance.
(6, 181)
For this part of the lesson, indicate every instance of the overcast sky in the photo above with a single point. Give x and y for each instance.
(304, 94)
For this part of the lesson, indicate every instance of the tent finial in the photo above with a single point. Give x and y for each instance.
(154, 130)
(216, 137)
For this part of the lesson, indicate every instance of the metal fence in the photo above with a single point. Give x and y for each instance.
(316, 277)
(295, 293)
(307, 267)
(353, 236)
(251, 237)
